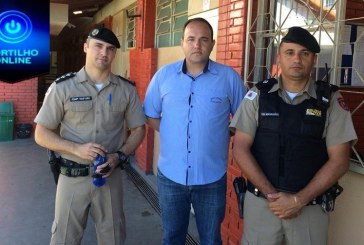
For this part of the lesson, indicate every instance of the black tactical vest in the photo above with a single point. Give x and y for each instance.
(288, 144)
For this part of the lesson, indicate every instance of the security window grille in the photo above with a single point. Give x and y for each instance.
(171, 15)
(271, 23)
(328, 3)
(130, 38)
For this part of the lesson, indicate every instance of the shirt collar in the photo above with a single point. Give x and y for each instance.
(83, 77)
(208, 67)
(309, 88)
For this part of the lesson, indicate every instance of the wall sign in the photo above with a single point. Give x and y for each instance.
(24, 39)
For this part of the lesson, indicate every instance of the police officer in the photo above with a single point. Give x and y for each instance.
(90, 108)
(292, 141)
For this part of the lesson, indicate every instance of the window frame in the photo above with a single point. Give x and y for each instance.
(130, 28)
(172, 34)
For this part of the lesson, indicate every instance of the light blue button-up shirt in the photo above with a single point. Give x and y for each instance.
(195, 117)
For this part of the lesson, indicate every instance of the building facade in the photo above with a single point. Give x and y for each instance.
(246, 34)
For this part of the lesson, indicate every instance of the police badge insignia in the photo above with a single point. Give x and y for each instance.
(95, 32)
(342, 103)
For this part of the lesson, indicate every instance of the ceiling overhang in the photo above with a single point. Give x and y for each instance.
(58, 18)
(62, 13)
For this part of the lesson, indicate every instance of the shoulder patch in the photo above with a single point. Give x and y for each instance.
(65, 77)
(127, 80)
(250, 95)
(342, 103)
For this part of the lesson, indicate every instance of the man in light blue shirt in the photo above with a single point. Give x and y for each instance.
(190, 103)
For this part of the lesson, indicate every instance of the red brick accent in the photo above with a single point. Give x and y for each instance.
(24, 96)
(144, 154)
(355, 9)
(230, 51)
(230, 30)
(143, 65)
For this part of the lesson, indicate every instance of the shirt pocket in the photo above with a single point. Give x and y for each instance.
(214, 102)
(113, 115)
(118, 108)
(81, 106)
(81, 114)
(116, 112)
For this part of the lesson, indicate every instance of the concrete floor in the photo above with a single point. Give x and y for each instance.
(27, 193)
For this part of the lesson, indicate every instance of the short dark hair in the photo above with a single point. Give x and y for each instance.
(198, 19)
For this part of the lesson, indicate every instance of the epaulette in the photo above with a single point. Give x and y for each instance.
(65, 77)
(334, 88)
(323, 92)
(127, 80)
(266, 85)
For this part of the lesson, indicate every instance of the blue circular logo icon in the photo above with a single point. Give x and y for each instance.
(15, 26)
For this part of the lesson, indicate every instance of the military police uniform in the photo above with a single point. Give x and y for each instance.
(262, 226)
(84, 114)
(338, 129)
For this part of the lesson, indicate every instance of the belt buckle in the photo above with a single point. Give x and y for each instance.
(67, 163)
(68, 172)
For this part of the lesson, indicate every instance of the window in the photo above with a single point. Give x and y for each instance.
(130, 37)
(171, 16)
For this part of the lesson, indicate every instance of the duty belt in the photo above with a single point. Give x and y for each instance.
(73, 169)
(252, 189)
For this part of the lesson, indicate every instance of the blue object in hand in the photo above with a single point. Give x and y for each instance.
(97, 178)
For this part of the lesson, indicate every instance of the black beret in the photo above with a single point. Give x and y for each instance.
(302, 37)
(104, 34)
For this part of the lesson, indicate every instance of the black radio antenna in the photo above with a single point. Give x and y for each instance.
(327, 73)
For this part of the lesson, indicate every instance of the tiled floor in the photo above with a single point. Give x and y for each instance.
(27, 194)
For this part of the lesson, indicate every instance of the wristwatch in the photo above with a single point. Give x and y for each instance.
(123, 159)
